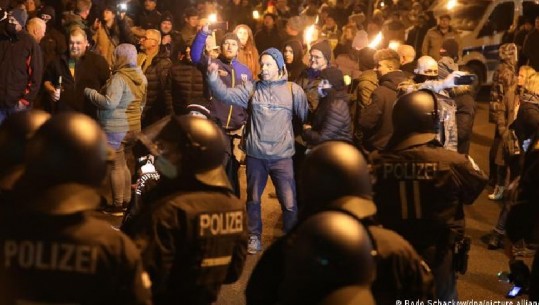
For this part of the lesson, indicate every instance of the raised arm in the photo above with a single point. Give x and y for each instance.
(238, 96)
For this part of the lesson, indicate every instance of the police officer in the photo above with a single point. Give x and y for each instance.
(335, 177)
(329, 251)
(421, 187)
(192, 232)
(15, 132)
(51, 249)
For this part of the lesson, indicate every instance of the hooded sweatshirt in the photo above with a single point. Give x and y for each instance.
(123, 96)
(297, 66)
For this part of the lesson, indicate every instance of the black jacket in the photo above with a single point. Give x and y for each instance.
(91, 71)
(72, 257)
(420, 192)
(376, 119)
(265, 39)
(401, 273)
(158, 100)
(331, 120)
(192, 240)
(21, 71)
(186, 83)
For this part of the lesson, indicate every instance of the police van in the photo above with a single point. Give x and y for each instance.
(482, 24)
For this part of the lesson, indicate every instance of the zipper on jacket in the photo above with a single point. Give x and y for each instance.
(233, 85)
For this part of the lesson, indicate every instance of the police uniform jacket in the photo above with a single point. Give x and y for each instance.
(63, 255)
(192, 242)
(420, 192)
(401, 272)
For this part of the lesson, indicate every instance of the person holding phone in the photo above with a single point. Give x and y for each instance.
(232, 73)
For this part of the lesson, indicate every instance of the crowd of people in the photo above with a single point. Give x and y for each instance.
(148, 109)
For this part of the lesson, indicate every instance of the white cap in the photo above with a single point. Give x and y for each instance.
(427, 66)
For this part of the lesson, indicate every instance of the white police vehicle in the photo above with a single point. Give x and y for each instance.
(482, 24)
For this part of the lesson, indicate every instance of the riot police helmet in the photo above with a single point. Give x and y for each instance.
(15, 132)
(332, 170)
(187, 145)
(415, 120)
(328, 251)
(68, 148)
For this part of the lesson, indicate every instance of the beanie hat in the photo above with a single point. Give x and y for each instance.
(324, 47)
(201, 108)
(450, 48)
(231, 36)
(49, 11)
(20, 15)
(167, 16)
(334, 76)
(427, 66)
(276, 55)
(446, 66)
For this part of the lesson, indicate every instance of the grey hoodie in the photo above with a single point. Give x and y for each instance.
(124, 94)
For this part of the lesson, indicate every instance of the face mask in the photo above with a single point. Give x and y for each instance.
(322, 92)
(165, 167)
(11, 28)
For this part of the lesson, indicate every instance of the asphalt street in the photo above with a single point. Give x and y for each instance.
(478, 284)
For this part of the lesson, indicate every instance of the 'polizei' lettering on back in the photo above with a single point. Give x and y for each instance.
(222, 223)
(53, 256)
(410, 170)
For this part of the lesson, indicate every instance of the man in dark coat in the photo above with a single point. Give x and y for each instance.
(77, 69)
(268, 36)
(331, 120)
(375, 118)
(22, 65)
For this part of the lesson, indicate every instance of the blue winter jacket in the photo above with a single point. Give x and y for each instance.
(231, 117)
(272, 106)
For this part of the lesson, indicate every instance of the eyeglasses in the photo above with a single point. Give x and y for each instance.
(316, 57)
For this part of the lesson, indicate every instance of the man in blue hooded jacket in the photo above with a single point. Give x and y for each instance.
(272, 103)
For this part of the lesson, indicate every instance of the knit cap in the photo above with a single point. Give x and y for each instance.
(49, 11)
(334, 76)
(324, 47)
(276, 55)
(20, 15)
(231, 36)
(167, 16)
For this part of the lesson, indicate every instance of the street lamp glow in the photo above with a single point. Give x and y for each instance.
(451, 4)
(256, 15)
(212, 18)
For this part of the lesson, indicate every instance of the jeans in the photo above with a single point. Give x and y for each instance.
(282, 175)
(120, 176)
